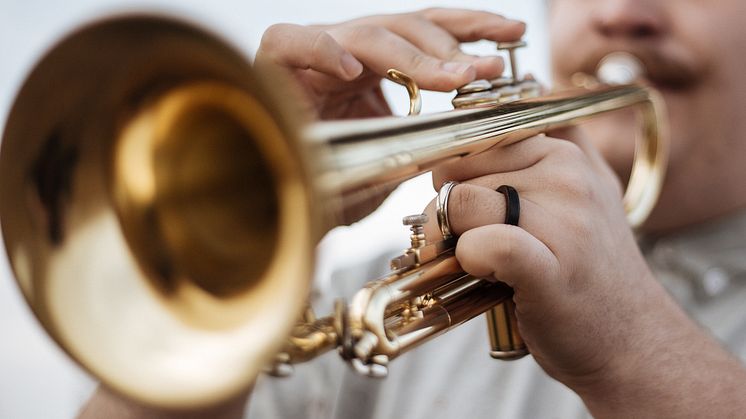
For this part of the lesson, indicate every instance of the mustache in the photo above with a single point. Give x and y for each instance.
(662, 68)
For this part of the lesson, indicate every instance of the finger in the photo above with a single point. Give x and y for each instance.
(576, 136)
(438, 42)
(498, 159)
(472, 206)
(303, 47)
(474, 25)
(379, 49)
(508, 254)
(599, 164)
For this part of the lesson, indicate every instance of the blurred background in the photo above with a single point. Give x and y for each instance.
(37, 380)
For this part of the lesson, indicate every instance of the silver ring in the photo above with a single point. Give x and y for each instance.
(441, 209)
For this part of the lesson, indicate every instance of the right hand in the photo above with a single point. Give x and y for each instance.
(340, 66)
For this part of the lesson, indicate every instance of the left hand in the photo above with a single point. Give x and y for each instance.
(584, 295)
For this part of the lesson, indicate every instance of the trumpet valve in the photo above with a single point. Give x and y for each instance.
(501, 89)
(495, 92)
(476, 98)
(416, 225)
(511, 47)
(475, 87)
(530, 88)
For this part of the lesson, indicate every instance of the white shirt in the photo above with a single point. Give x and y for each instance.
(453, 376)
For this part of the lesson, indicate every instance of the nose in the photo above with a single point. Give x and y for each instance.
(628, 18)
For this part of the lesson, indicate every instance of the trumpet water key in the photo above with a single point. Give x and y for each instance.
(161, 200)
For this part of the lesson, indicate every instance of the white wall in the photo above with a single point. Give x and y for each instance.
(36, 379)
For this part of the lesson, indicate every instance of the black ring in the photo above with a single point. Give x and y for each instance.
(512, 204)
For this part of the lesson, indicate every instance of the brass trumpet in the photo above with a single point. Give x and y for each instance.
(160, 204)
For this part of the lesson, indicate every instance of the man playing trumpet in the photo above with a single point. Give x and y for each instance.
(591, 308)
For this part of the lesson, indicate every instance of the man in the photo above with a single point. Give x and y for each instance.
(588, 305)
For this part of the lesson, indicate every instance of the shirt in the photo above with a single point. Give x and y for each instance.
(452, 376)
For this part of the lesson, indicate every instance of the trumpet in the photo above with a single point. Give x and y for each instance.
(160, 203)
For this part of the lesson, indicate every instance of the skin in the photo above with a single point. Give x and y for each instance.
(588, 306)
(691, 50)
(341, 74)
(340, 67)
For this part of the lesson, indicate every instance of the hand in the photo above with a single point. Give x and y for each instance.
(588, 307)
(340, 66)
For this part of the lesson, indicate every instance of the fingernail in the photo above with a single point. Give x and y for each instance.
(456, 67)
(351, 66)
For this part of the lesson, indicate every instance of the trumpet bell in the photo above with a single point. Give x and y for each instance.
(155, 209)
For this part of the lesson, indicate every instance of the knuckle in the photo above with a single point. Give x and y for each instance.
(569, 152)
(272, 36)
(574, 175)
(463, 200)
(410, 18)
(473, 32)
(321, 44)
(447, 171)
(429, 12)
(579, 186)
(421, 62)
(439, 178)
(451, 51)
(364, 33)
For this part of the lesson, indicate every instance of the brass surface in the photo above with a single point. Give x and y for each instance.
(160, 210)
(360, 154)
(415, 99)
(157, 220)
(502, 325)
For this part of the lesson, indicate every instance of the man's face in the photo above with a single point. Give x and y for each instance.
(694, 52)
